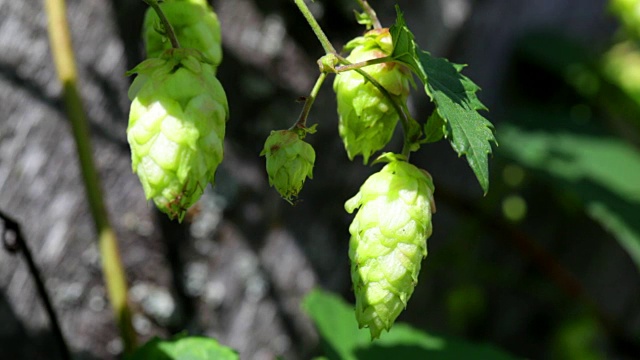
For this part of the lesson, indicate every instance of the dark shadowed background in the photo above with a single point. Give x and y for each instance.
(546, 282)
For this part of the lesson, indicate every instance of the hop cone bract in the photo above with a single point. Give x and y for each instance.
(195, 24)
(176, 128)
(368, 118)
(388, 241)
(289, 162)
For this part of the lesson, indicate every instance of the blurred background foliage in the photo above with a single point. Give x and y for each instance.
(545, 266)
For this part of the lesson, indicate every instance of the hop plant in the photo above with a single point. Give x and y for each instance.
(388, 241)
(368, 118)
(176, 128)
(289, 161)
(195, 24)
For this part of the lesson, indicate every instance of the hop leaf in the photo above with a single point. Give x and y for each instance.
(367, 117)
(195, 24)
(289, 162)
(176, 128)
(388, 241)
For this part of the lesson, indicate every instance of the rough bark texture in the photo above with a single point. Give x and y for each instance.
(239, 267)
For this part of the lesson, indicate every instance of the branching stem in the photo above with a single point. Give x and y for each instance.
(372, 14)
(113, 271)
(168, 29)
(358, 65)
(347, 66)
(308, 103)
(326, 44)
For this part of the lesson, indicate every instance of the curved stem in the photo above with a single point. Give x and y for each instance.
(404, 119)
(14, 242)
(326, 44)
(372, 14)
(168, 29)
(361, 64)
(308, 103)
(113, 272)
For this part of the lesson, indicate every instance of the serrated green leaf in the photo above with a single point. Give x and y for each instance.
(341, 338)
(183, 348)
(435, 128)
(456, 102)
(455, 98)
(603, 172)
(404, 46)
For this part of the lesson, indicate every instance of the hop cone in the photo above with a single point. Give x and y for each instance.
(176, 128)
(629, 13)
(388, 241)
(195, 24)
(367, 117)
(289, 162)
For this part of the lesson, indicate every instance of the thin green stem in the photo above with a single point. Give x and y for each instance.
(361, 64)
(372, 14)
(308, 103)
(168, 29)
(326, 44)
(404, 119)
(113, 271)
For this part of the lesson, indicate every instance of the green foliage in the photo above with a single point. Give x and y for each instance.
(454, 95)
(578, 339)
(604, 172)
(183, 348)
(628, 11)
(435, 128)
(341, 338)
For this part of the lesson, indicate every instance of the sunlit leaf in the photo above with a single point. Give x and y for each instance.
(341, 338)
(183, 348)
(603, 171)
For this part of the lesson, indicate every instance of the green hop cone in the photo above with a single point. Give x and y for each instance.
(368, 118)
(628, 11)
(388, 241)
(195, 24)
(289, 162)
(176, 128)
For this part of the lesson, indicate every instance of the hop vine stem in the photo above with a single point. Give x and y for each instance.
(113, 270)
(308, 103)
(165, 23)
(326, 44)
(347, 66)
(359, 65)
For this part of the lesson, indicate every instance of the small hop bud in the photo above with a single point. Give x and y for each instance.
(367, 117)
(176, 128)
(195, 24)
(388, 241)
(289, 162)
